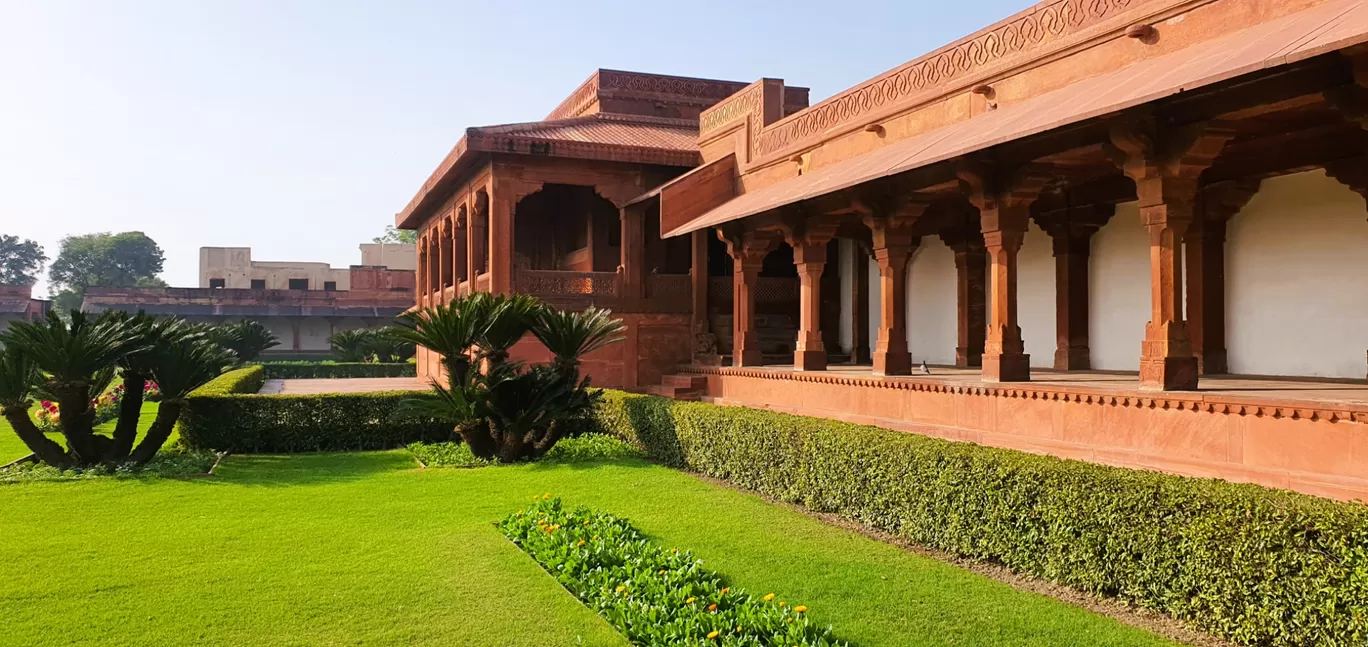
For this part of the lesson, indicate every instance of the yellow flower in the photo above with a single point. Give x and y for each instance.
(712, 635)
(586, 522)
(579, 543)
(520, 511)
(621, 588)
(534, 497)
(783, 603)
(800, 608)
(662, 571)
(546, 496)
(769, 597)
(790, 619)
(689, 601)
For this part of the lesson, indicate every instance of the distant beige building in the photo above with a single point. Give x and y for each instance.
(233, 267)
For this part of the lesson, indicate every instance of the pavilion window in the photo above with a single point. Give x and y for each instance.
(299, 284)
(217, 283)
(330, 285)
(258, 284)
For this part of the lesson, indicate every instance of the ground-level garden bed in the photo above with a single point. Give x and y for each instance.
(367, 549)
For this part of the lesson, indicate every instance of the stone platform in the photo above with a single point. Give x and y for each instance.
(338, 385)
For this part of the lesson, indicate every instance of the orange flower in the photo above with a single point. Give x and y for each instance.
(712, 607)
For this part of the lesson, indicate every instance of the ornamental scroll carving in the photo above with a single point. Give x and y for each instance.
(1026, 31)
(748, 102)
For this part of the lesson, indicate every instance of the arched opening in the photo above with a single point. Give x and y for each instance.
(1296, 302)
(1118, 291)
(479, 233)
(567, 228)
(720, 293)
(932, 303)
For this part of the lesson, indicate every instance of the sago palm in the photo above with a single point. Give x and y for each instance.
(450, 330)
(349, 345)
(248, 339)
(180, 364)
(572, 335)
(77, 355)
(17, 377)
(510, 318)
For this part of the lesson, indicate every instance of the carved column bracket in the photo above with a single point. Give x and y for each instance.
(1352, 173)
(890, 226)
(1166, 167)
(748, 251)
(1003, 196)
(808, 236)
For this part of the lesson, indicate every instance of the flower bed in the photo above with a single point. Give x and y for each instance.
(655, 597)
(49, 416)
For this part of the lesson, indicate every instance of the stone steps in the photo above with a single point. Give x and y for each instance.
(680, 387)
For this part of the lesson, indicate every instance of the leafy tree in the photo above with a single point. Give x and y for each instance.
(392, 235)
(74, 357)
(507, 410)
(247, 339)
(105, 260)
(21, 261)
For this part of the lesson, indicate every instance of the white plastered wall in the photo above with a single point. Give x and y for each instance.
(1297, 280)
(1118, 291)
(846, 267)
(932, 317)
(1036, 296)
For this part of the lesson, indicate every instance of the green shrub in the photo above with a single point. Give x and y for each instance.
(313, 370)
(1253, 565)
(243, 423)
(166, 464)
(655, 597)
(249, 379)
(588, 447)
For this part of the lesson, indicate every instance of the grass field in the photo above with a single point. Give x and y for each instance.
(365, 549)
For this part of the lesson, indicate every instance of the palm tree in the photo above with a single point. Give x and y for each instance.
(17, 376)
(572, 335)
(508, 411)
(77, 355)
(180, 364)
(350, 345)
(247, 338)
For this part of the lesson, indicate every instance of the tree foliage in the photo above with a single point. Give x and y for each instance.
(73, 359)
(393, 235)
(507, 410)
(126, 260)
(21, 261)
(247, 339)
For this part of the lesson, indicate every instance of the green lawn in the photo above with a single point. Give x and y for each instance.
(365, 549)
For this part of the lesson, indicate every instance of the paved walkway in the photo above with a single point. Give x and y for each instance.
(348, 385)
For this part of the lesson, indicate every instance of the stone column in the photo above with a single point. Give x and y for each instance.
(295, 342)
(1204, 260)
(460, 264)
(698, 275)
(860, 351)
(434, 280)
(502, 201)
(633, 252)
(1071, 235)
(445, 268)
(420, 276)
(748, 253)
(971, 272)
(893, 247)
(1165, 167)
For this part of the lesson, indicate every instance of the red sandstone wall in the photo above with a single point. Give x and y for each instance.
(656, 344)
(1315, 452)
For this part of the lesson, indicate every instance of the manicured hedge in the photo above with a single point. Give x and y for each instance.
(1253, 565)
(308, 370)
(249, 379)
(305, 423)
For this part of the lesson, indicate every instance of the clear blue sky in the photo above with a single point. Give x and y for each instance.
(298, 128)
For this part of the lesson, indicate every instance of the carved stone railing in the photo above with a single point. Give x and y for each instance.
(769, 290)
(482, 282)
(463, 290)
(672, 293)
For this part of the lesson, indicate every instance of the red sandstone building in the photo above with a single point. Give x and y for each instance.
(1124, 231)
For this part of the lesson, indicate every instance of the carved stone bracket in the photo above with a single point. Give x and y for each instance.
(1352, 173)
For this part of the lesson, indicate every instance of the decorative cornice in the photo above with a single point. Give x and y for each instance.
(1029, 35)
(1206, 403)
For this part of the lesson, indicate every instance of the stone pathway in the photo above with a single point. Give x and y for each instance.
(348, 385)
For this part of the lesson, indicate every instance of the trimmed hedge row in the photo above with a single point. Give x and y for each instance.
(312, 370)
(1256, 566)
(283, 424)
(249, 379)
